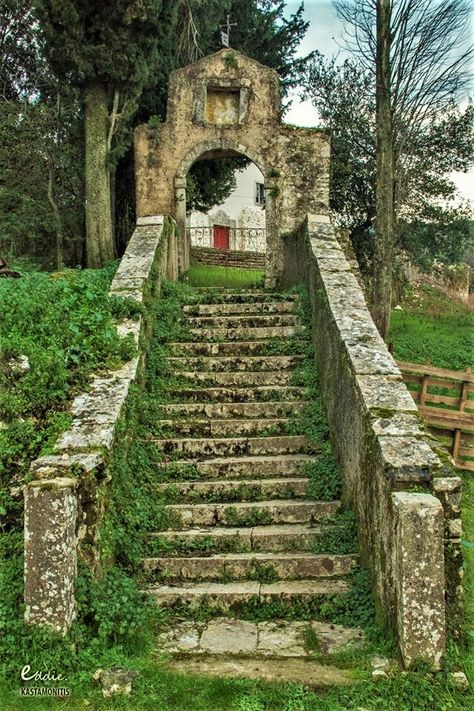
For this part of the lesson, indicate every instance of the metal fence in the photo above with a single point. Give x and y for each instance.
(245, 239)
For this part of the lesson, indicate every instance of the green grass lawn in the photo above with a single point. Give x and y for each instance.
(433, 329)
(202, 275)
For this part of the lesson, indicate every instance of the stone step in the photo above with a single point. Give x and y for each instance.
(242, 378)
(222, 427)
(276, 650)
(234, 409)
(202, 448)
(217, 295)
(234, 363)
(245, 566)
(206, 541)
(256, 307)
(216, 395)
(243, 468)
(251, 513)
(276, 638)
(244, 321)
(304, 672)
(225, 490)
(244, 334)
(227, 595)
(231, 348)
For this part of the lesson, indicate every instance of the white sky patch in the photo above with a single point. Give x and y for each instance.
(325, 35)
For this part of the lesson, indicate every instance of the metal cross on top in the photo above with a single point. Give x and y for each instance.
(225, 31)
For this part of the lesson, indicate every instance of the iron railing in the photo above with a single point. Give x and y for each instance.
(245, 239)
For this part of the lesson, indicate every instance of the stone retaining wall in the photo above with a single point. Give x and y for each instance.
(64, 504)
(386, 457)
(227, 258)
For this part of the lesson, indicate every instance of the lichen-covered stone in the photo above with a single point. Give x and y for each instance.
(64, 505)
(50, 552)
(419, 575)
(379, 441)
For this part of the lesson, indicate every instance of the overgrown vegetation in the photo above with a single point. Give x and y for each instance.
(64, 324)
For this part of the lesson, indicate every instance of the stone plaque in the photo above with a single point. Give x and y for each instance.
(222, 106)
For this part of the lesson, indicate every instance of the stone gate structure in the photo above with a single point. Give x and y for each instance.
(227, 105)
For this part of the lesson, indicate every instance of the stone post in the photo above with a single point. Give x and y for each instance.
(419, 577)
(50, 552)
(180, 198)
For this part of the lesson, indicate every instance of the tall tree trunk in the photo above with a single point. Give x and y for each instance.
(57, 219)
(383, 257)
(99, 238)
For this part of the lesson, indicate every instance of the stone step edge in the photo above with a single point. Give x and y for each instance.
(278, 511)
(246, 589)
(215, 483)
(260, 422)
(252, 460)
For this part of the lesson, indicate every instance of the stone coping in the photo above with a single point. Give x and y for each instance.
(377, 378)
(96, 412)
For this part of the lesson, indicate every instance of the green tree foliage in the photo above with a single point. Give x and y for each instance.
(20, 60)
(41, 180)
(343, 94)
(108, 50)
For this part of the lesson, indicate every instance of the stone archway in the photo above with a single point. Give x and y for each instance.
(227, 104)
(223, 148)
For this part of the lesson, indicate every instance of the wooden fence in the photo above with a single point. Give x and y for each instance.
(445, 399)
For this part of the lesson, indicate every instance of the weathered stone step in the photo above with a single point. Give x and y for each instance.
(236, 295)
(244, 321)
(262, 393)
(243, 378)
(256, 307)
(223, 428)
(234, 409)
(283, 640)
(226, 595)
(245, 566)
(223, 490)
(205, 541)
(202, 448)
(306, 672)
(243, 334)
(250, 467)
(234, 363)
(230, 348)
(276, 511)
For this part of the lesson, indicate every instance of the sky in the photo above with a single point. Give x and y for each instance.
(325, 35)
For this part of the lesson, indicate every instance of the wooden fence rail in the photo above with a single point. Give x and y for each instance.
(445, 399)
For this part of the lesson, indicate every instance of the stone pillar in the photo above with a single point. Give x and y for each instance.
(50, 552)
(419, 577)
(180, 200)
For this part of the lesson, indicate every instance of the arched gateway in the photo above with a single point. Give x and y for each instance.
(226, 105)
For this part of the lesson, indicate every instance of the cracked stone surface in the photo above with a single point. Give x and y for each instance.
(278, 638)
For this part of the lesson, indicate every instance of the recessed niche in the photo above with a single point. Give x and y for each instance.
(222, 106)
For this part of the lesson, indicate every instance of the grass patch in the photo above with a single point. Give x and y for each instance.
(202, 275)
(433, 329)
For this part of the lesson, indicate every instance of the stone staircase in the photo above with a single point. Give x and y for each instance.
(240, 525)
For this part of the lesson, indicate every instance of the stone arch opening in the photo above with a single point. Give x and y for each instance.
(246, 222)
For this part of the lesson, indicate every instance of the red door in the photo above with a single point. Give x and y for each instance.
(221, 237)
